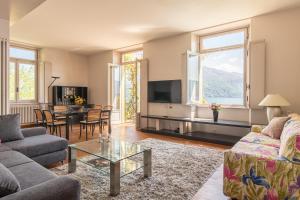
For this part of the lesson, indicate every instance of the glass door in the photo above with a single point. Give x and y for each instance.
(115, 92)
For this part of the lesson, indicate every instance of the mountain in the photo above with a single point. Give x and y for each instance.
(219, 83)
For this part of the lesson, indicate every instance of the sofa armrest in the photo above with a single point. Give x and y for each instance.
(60, 188)
(28, 132)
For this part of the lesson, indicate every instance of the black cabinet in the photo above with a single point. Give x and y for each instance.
(66, 94)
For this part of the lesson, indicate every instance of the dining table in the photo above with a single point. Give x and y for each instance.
(71, 112)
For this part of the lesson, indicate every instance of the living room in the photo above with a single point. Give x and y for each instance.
(106, 100)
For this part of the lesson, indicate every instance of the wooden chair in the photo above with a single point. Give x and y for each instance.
(98, 106)
(60, 117)
(105, 118)
(92, 119)
(39, 117)
(52, 123)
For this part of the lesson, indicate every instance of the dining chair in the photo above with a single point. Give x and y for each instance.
(98, 106)
(92, 119)
(52, 123)
(62, 108)
(39, 117)
(105, 118)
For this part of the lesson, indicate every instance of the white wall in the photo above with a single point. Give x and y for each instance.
(98, 77)
(281, 31)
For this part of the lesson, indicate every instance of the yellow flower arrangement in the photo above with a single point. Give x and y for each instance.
(79, 100)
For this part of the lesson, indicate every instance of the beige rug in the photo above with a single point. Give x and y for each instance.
(179, 171)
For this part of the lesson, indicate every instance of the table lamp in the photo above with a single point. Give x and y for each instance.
(273, 102)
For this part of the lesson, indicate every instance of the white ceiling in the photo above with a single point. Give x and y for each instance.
(88, 26)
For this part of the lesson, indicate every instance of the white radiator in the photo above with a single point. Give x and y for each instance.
(25, 110)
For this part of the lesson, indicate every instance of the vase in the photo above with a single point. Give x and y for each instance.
(216, 115)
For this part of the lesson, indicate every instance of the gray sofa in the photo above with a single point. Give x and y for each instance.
(24, 159)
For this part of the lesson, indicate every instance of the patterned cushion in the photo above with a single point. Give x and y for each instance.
(290, 141)
(258, 138)
(294, 116)
(275, 127)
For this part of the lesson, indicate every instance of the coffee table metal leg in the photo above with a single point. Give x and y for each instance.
(115, 171)
(148, 163)
(72, 153)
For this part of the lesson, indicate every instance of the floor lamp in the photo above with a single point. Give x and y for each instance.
(54, 79)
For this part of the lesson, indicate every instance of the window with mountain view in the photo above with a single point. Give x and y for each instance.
(221, 70)
(22, 74)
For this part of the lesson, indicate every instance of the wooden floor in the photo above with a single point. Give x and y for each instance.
(128, 133)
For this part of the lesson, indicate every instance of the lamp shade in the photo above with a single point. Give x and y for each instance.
(274, 100)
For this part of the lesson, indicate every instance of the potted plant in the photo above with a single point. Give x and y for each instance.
(215, 108)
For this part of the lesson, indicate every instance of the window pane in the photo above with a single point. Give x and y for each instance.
(193, 79)
(223, 77)
(22, 53)
(132, 56)
(12, 81)
(229, 39)
(26, 81)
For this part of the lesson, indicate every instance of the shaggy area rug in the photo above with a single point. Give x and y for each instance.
(178, 172)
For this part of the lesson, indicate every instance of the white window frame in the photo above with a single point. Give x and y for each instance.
(211, 50)
(17, 61)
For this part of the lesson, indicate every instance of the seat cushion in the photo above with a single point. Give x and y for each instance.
(256, 150)
(13, 158)
(38, 145)
(3, 147)
(10, 128)
(31, 174)
(8, 182)
(258, 138)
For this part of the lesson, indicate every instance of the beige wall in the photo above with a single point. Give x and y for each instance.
(281, 31)
(98, 77)
(70, 67)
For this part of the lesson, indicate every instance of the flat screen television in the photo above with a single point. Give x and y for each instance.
(164, 91)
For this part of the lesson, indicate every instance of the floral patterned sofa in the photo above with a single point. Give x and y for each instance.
(254, 170)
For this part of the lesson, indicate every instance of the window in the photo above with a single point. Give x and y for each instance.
(217, 74)
(22, 74)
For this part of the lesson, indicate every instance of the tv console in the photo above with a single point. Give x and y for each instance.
(196, 135)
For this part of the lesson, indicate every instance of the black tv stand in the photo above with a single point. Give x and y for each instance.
(196, 135)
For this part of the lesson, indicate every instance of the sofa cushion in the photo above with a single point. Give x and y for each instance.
(275, 127)
(290, 141)
(38, 145)
(13, 158)
(31, 174)
(256, 150)
(8, 182)
(10, 128)
(258, 138)
(3, 147)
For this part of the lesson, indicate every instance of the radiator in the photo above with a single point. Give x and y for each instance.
(25, 110)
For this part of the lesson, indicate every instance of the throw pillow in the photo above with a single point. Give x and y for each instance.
(8, 182)
(290, 141)
(10, 128)
(275, 127)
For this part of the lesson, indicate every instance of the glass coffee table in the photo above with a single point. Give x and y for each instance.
(115, 157)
